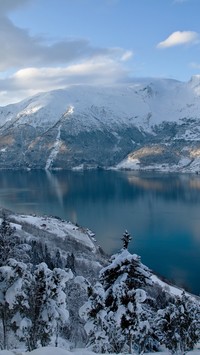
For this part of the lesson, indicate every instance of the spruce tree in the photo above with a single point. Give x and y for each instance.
(55, 313)
(95, 314)
(11, 291)
(126, 238)
(37, 300)
(47, 301)
(7, 240)
(57, 261)
(76, 296)
(11, 246)
(115, 304)
(178, 325)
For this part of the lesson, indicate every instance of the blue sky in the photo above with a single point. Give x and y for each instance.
(49, 44)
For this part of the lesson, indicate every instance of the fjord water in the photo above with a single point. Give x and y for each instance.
(161, 211)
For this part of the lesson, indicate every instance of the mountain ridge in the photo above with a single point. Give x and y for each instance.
(87, 126)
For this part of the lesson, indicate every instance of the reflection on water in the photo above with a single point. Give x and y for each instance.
(160, 211)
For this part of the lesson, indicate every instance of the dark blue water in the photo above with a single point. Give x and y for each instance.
(161, 211)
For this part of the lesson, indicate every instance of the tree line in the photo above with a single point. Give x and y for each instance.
(127, 312)
(42, 299)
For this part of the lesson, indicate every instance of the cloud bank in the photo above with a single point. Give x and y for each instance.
(179, 38)
(29, 64)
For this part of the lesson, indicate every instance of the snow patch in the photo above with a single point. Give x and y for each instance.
(61, 229)
(69, 111)
(55, 150)
(78, 167)
(130, 164)
(58, 351)
(29, 110)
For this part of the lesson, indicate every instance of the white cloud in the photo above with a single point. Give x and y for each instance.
(179, 38)
(104, 70)
(99, 70)
(48, 66)
(19, 49)
(195, 65)
(126, 56)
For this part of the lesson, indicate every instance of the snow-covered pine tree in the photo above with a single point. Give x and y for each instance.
(37, 299)
(47, 258)
(76, 296)
(124, 262)
(55, 313)
(11, 282)
(115, 307)
(71, 262)
(95, 314)
(48, 305)
(145, 338)
(7, 240)
(57, 260)
(126, 238)
(11, 246)
(129, 314)
(178, 325)
(20, 321)
(40, 253)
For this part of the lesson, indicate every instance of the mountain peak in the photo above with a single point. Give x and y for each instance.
(100, 126)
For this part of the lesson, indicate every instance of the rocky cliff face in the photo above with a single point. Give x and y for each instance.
(149, 124)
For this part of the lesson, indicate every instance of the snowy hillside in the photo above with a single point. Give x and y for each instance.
(57, 288)
(149, 123)
(62, 235)
(57, 351)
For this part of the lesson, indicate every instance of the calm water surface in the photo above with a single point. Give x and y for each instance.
(162, 212)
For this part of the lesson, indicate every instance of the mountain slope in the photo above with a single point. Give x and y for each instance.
(150, 123)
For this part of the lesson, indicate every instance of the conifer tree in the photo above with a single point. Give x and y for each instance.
(124, 262)
(94, 313)
(76, 296)
(58, 260)
(37, 299)
(115, 304)
(71, 262)
(126, 238)
(178, 325)
(7, 240)
(11, 283)
(55, 313)
(21, 322)
(11, 246)
(48, 305)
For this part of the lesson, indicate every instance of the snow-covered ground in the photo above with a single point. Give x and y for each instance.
(58, 351)
(61, 228)
(174, 290)
(185, 165)
(57, 227)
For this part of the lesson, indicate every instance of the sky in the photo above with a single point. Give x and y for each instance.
(51, 44)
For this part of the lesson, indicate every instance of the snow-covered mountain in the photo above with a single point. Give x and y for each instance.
(149, 123)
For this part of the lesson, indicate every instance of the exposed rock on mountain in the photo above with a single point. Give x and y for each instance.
(147, 124)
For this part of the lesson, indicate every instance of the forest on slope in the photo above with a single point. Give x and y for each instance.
(49, 296)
